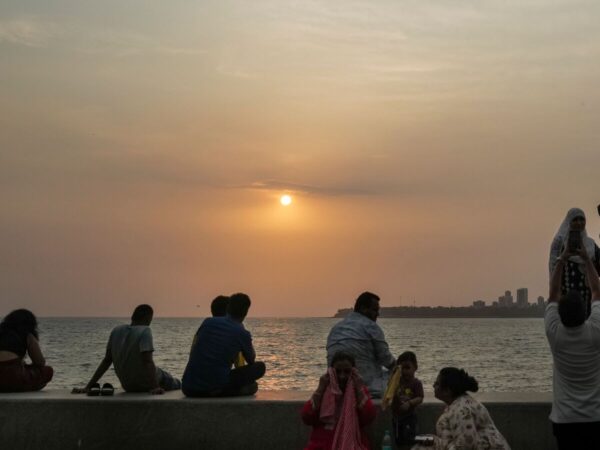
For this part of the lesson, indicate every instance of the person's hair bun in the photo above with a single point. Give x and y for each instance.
(470, 383)
(457, 381)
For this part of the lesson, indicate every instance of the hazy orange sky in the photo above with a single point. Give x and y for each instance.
(432, 149)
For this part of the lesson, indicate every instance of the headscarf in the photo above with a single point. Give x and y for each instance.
(562, 236)
(338, 411)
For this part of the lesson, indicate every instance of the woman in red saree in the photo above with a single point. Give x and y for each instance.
(340, 408)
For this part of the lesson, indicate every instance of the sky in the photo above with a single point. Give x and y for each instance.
(432, 149)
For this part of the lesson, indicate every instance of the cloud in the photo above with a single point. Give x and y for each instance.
(276, 185)
(27, 32)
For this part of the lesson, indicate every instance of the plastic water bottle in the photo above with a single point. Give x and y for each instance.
(386, 444)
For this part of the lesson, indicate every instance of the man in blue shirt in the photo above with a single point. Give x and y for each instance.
(216, 345)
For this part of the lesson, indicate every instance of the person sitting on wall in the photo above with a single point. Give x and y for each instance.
(18, 337)
(215, 347)
(359, 335)
(575, 346)
(465, 423)
(218, 307)
(340, 408)
(130, 349)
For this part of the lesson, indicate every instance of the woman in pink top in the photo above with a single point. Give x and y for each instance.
(340, 408)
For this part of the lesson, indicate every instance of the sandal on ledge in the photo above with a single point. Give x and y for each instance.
(107, 389)
(94, 391)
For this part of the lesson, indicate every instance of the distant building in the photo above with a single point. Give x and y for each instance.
(508, 299)
(494, 304)
(522, 298)
(478, 304)
(541, 301)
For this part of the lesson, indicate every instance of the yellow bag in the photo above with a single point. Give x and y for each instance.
(391, 389)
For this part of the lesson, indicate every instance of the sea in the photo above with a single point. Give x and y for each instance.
(502, 354)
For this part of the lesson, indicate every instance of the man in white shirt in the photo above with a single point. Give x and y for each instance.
(575, 345)
(359, 335)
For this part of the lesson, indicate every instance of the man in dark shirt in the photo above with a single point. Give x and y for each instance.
(216, 345)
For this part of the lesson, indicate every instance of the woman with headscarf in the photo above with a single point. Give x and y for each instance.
(339, 409)
(19, 337)
(574, 272)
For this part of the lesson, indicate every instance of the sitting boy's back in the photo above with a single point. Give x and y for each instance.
(127, 343)
(216, 345)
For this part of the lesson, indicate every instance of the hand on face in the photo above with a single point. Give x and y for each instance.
(323, 383)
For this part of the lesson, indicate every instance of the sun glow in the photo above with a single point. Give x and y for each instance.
(285, 200)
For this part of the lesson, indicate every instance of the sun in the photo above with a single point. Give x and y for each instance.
(285, 200)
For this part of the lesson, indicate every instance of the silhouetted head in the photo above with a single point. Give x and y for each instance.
(367, 304)
(21, 321)
(452, 383)
(571, 309)
(238, 306)
(142, 315)
(343, 363)
(218, 307)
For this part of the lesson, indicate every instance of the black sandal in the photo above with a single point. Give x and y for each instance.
(107, 389)
(94, 391)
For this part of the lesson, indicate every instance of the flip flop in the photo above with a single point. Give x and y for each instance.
(94, 391)
(107, 389)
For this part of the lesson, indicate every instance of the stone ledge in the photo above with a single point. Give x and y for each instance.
(55, 419)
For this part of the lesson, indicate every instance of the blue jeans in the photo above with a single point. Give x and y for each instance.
(167, 381)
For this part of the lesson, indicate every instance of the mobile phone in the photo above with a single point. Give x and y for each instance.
(574, 240)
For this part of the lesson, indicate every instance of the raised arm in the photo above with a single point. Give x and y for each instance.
(555, 250)
(556, 276)
(591, 274)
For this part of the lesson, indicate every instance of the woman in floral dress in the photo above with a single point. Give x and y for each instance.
(465, 424)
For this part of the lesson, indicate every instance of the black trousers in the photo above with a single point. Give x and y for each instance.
(579, 435)
(242, 381)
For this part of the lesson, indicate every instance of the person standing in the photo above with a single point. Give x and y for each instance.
(574, 273)
(130, 349)
(215, 347)
(359, 335)
(575, 346)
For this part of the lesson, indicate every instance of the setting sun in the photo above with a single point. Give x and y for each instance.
(285, 200)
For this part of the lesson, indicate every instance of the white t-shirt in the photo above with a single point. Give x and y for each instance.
(576, 373)
(126, 345)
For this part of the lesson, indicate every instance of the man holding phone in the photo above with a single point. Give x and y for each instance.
(575, 345)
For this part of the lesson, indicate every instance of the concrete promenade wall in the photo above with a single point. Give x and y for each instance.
(58, 420)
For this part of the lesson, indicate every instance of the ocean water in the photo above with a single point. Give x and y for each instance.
(503, 354)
